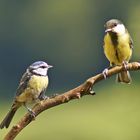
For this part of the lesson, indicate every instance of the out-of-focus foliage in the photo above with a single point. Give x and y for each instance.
(68, 34)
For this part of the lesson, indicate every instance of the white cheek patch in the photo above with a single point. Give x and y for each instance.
(41, 71)
(120, 29)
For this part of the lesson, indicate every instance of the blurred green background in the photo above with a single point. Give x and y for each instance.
(68, 34)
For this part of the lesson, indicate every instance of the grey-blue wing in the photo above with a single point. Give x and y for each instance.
(23, 83)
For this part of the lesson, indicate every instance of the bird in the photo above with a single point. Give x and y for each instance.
(32, 87)
(118, 46)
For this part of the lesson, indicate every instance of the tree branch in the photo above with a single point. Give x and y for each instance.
(76, 93)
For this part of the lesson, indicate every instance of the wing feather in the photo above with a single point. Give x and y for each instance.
(23, 83)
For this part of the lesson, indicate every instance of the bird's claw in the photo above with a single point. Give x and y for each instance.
(31, 113)
(125, 65)
(45, 98)
(105, 73)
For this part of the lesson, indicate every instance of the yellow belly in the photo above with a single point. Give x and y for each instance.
(123, 49)
(35, 86)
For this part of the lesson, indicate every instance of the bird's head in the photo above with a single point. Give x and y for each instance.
(115, 26)
(39, 68)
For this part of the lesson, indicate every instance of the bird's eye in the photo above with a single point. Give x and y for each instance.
(43, 67)
(115, 24)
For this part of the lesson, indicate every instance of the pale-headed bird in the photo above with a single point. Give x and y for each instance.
(31, 88)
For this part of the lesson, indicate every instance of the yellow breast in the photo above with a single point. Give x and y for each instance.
(121, 52)
(38, 83)
(35, 86)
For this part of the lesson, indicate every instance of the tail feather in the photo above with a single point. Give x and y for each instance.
(124, 77)
(6, 121)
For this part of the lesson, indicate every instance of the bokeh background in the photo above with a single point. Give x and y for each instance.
(68, 34)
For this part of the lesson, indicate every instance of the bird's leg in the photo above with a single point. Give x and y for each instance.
(105, 71)
(29, 110)
(45, 97)
(42, 96)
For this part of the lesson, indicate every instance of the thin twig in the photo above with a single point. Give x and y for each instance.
(76, 93)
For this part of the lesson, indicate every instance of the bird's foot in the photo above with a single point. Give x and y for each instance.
(31, 113)
(45, 97)
(125, 65)
(105, 73)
